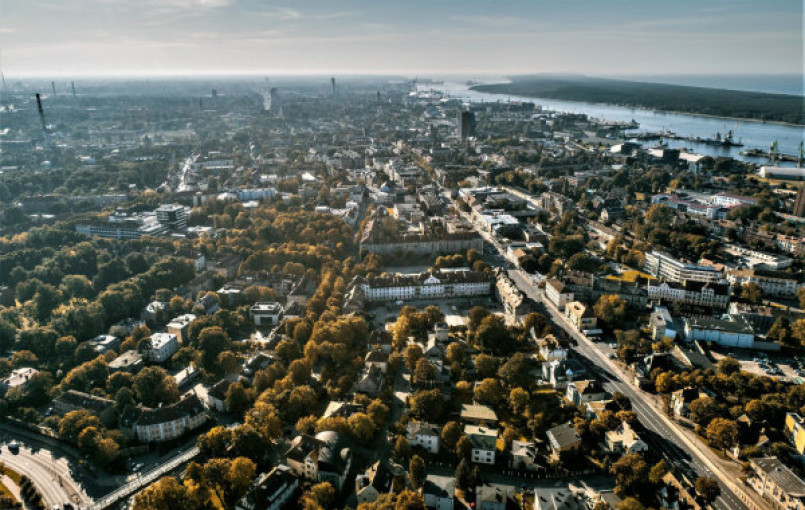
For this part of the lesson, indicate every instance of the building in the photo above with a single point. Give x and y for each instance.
(72, 400)
(465, 125)
(167, 422)
(216, 395)
(427, 285)
(160, 347)
(326, 457)
(785, 173)
(105, 343)
(560, 372)
(662, 324)
(585, 391)
(799, 203)
(681, 400)
(378, 479)
(439, 492)
(483, 443)
(266, 314)
(734, 331)
(129, 361)
(563, 438)
(523, 455)
(374, 240)
(271, 491)
(549, 347)
(776, 483)
(179, 326)
(478, 415)
(771, 283)
(582, 317)
(707, 294)
(124, 226)
(795, 431)
(494, 497)
(624, 440)
(515, 303)
(173, 216)
(18, 378)
(557, 293)
(423, 435)
(671, 269)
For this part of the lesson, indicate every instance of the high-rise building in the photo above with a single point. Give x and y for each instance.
(799, 203)
(465, 124)
(172, 215)
(276, 104)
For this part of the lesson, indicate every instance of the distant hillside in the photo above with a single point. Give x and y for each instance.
(678, 98)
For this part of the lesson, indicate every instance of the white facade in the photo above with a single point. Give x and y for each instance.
(266, 314)
(669, 268)
(163, 346)
(432, 286)
(734, 332)
(703, 296)
(556, 293)
(769, 285)
(424, 436)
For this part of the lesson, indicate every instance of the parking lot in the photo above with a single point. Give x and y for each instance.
(768, 365)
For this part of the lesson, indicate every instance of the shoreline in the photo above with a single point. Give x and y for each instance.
(474, 88)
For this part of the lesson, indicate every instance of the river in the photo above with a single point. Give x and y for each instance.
(754, 135)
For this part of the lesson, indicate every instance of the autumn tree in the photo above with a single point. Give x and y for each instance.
(722, 433)
(630, 473)
(610, 309)
(416, 471)
(707, 489)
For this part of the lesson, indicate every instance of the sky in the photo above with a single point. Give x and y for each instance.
(403, 37)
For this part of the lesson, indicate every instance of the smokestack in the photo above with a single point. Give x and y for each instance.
(53, 84)
(332, 83)
(42, 120)
(72, 85)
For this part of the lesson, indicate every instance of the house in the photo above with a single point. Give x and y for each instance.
(557, 293)
(167, 422)
(681, 399)
(584, 391)
(549, 347)
(376, 359)
(624, 440)
(523, 455)
(582, 317)
(342, 409)
(439, 492)
(561, 498)
(154, 312)
(776, 483)
(377, 480)
(563, 371)
(18, 378)
(440, 333)
(434, 351)
(208, 303)
(423, 435)
(494, 496)
(160, 347)
(795, 431)
(179, 326)
(266, 314)
(370, 382)
(478, 414)
(662, 324)
(72, 400)
(677, 492)
(106, 343)
(258, 361)
(216, 395)
(271, 491)
(326, 457)
(483, 443)
(563, 438)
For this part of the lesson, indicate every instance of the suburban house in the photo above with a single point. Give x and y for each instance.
(271, 491)
(624, 440)
(563, 438)
(563, 371)
(584, 391)
(484, 443)
(523, 455)
(681, 399)
(377, 480)
(161, 346)
(179, 326)
(323, 458)
(266, 314)
(439, 492)
(423, 435)
(494, 496)
(477, 414)
(581, 316)
(216, 395)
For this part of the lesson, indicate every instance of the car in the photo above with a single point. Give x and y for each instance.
(14, 447)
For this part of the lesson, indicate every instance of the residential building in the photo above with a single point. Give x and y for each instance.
(18, 378)
(129, 361)
(582, 317)
(160, 347)
(483, 442)
(560, 372)
(672, 269)
(427, 285)
(557, 293)
(167, 422)
(549, 347)
(179, 326)
(439, 492)
(624, 440)
(776, 483)
(73, 400)
(105, 343)
(266, 314)
(326, 457)
(423, 435)
(706, 294)
(681, 400)
(494, 496)
(662, 324)
(376, 359)
(515, 303)
(377, 480)
(771, 283)
(271, 491)
(216, 395)
(585, 391)
(478, 414)
(523, 455)
(563, 438)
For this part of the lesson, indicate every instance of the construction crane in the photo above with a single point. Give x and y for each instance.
(45, 136)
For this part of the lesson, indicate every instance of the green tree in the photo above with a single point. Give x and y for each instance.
(417, 471)
(722, 433)
(630, 473)
(707, 489)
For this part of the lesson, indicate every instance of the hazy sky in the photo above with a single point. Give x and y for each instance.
(74, 37)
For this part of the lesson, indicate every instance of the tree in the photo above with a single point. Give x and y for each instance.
(416, 471)
(494, 335)
(240, 476)
(361, 427)
(463, 448)
(708, 489)
(489, 392)
(75, 421)
(379, 412)
(611, 309)
(154, 386)
(215, 442)
(463, 474)
(657, 472)
(401, 447)
(237, 399)
(705, 409)
(516, 371)
(485, 366)
(409, 500)
(801, 297)
(629, 504)
(722, 433)
(518, 400)
(630, 472)
(165, 494)
(216, 473)
(424, 372)
(427, 405)
(728, 366)
(264, 419)
(475, 316)
(321, 494)
(413, 354)
(451, 433)
(751, 293)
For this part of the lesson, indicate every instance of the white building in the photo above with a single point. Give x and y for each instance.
(714, 295)
(266, 314)
(557, 293)
(162, 347)
(782, 172)
(424, 435)
(734, 331)
(18, 378)
(168, 422)
(672, 269)
(484, 443)
(425, 286)
(624, 440)
(770, 284)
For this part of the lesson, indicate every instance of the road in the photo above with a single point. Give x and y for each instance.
(664, 436)
(49, 474)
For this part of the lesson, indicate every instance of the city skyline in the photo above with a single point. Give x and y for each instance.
(213, 37)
